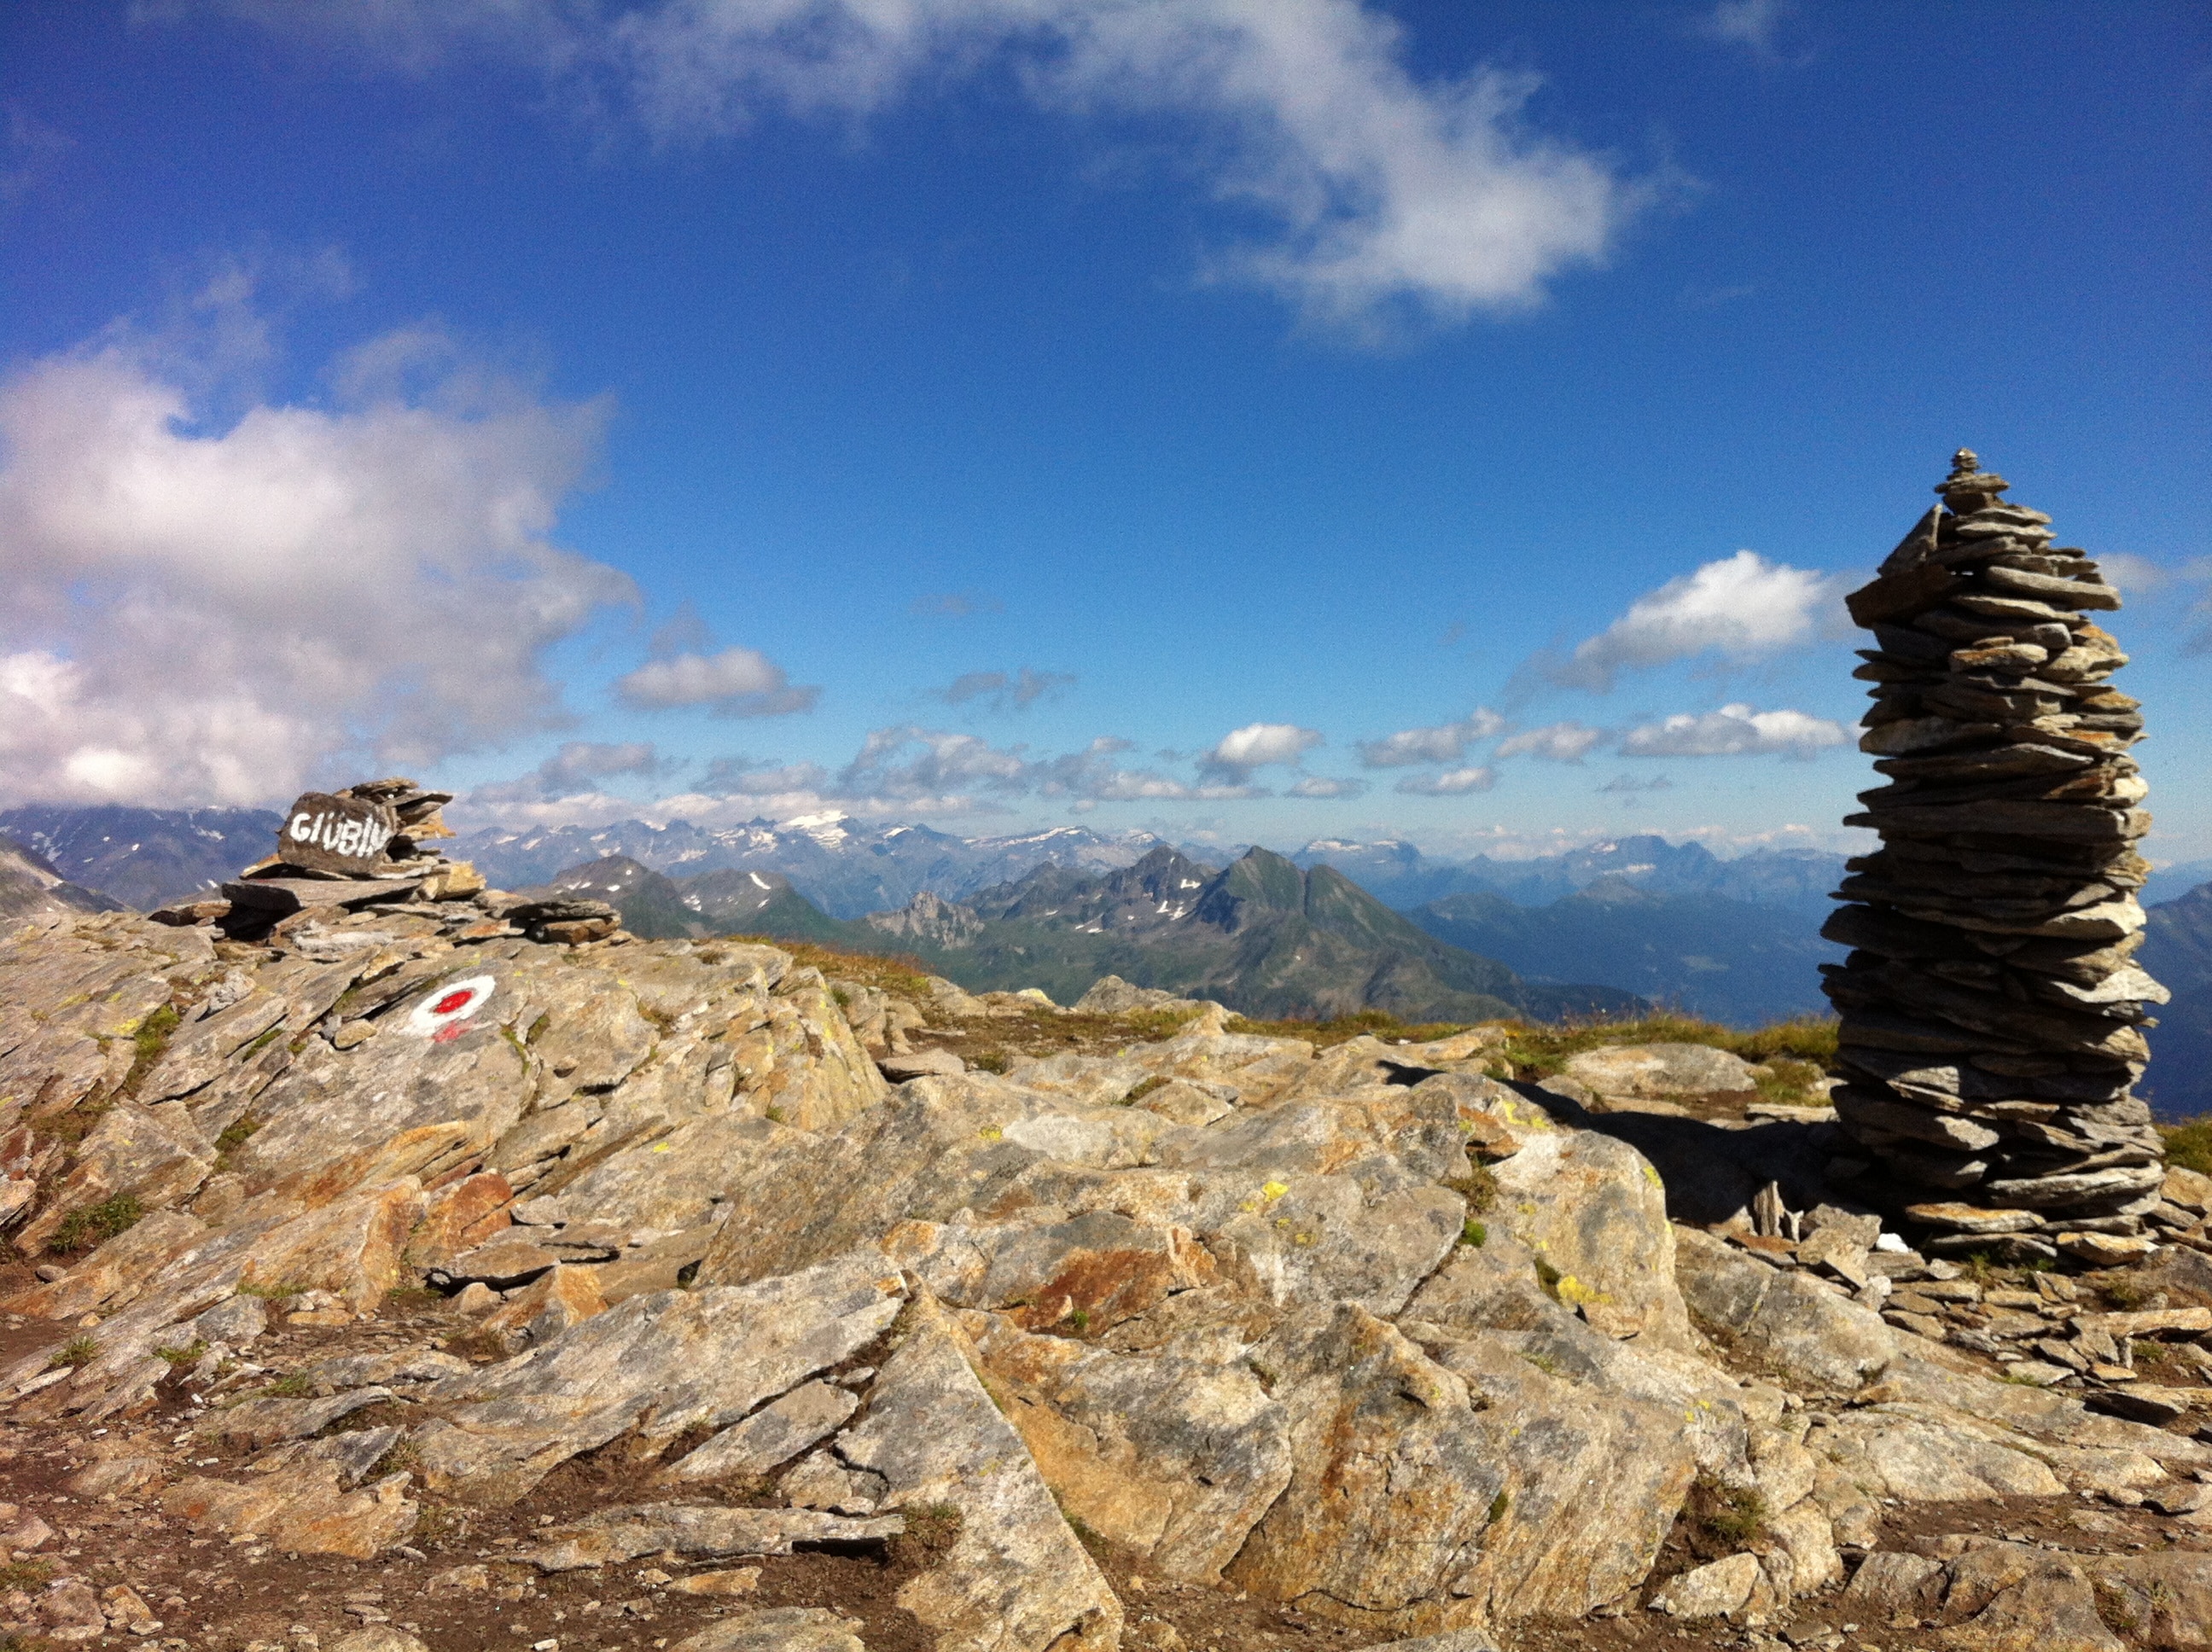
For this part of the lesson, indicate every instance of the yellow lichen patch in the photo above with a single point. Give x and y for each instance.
(1573, 1293)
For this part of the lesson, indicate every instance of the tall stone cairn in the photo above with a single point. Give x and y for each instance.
(1991, 1008)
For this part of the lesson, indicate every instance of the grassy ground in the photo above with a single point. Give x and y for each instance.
(2189, 1144)
(1798, 1050)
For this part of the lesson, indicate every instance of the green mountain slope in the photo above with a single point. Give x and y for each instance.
(1263, 936)
(2177, 950)
(1706, 955)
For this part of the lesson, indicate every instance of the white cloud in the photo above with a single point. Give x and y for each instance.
(2130, 573)
(1257, 745)
(735, 682)
(1447, 743)
(1384, 189)
(1734, 730)
(1318, 785)
(1559, 743)
(217, 619)
(1741, 607)
(1451, 783)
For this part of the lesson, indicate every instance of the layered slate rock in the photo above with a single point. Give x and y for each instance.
(1991, 1006)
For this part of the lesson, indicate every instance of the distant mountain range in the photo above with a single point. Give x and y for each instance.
(1399, 874)
(30, 885)
(144, 857)
(1672, 923)
(1265, 936)
(847, 867)
(2177, 950)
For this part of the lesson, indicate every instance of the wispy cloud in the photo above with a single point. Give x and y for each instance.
(1443, 743)
(953, 605)
(1384, 190)
(30, 150)
(1451, 783)
(576, 769)
(1757, 26)
(1002, 692)
(1734, 730)
(1631, 783)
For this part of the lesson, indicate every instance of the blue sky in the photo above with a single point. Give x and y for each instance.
(1262, 418)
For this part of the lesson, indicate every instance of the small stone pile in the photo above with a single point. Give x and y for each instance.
(1991, 1008)
(374, 844)
(2047, 1331)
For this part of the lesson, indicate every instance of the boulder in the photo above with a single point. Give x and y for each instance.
(1713, 1590)
(306, 1505)
(1658, 1071)
(156, 1156)
(1015, 1578)
(1594, 1211)
(777, 1629)
(1783, 1318)
(657, 1365)
(1174, 1452)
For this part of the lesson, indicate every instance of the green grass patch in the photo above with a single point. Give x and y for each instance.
(271, 1292)
(1144, 1089)
(77, 1351)
(897, 972)
(1549, 1278)
(189, 1355)
(1538, 1051)
(1729, 1516)
(1342, 1029)
(1473, 1234)
(234, 1135)
(2189, 1144)
(149, 1042)
(989, 1060)
(95, 1224)
(1478, 1187)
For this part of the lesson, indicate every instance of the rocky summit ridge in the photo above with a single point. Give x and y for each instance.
(417, 1266)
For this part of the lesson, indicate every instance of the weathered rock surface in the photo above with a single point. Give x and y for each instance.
(1363, 1332)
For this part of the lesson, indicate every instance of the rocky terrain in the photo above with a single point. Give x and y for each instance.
(422, 1268)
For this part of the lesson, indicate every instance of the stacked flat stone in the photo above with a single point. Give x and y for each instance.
(1991, 1009)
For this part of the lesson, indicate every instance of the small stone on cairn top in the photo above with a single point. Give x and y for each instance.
(1991, 1006)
